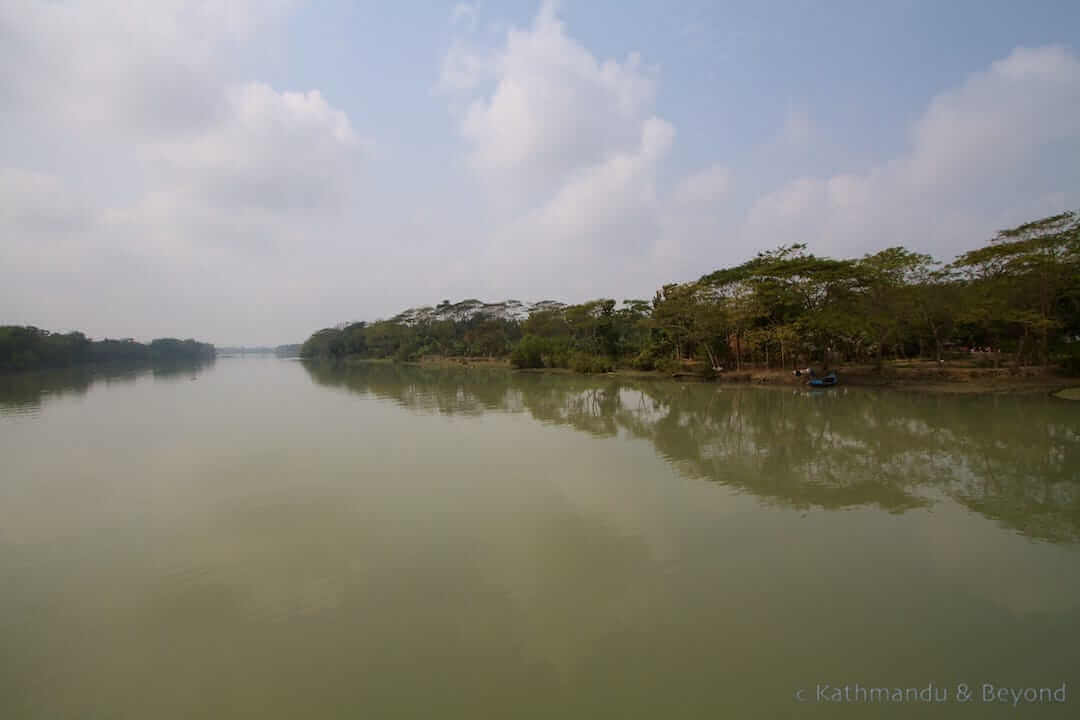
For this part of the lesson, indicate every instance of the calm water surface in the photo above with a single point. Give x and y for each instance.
(262, 539)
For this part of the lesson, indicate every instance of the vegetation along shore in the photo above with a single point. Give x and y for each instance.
(1002, 316)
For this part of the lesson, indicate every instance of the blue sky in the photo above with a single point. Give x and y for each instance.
(247, 172)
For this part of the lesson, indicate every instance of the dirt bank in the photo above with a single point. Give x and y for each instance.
(925, 378)
(912, 375)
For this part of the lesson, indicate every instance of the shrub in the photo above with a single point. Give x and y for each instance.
(559, 358)
(538, 352)
(585, 363)
(668, 365)
(580, 362)
(1070, 360)
(407, 353)
(645, 360)
(529, 352)
(603, 364)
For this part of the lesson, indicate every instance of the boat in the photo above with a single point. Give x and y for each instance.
(827, 381)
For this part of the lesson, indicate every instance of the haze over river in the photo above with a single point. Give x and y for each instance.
(260, 538)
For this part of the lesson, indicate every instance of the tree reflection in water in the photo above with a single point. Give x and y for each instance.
(1015, 459)
(26, 392)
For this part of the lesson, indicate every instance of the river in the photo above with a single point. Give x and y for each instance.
(260, 538)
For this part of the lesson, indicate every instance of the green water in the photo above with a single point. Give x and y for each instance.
(262, 539)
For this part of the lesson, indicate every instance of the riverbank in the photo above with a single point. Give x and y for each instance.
(910, 375)
(934, 379)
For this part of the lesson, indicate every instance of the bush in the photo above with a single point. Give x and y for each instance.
(407, 353)
(1070, 360)
(668, 365)
(559, 358)
(585, 363)
(537, 352)
(645, 360)
(529, 352)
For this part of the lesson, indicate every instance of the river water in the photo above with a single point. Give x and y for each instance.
(260, 538)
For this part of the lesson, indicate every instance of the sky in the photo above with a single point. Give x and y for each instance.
(247, 172)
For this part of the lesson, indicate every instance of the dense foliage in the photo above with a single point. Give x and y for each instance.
(31, 348)
(469, 328)
(1019, 294)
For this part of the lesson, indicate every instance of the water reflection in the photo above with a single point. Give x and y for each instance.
(1010, 458)
(385, 541)
(26, 393)
(179, 369)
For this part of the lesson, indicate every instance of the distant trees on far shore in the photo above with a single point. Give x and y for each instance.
(24, 347)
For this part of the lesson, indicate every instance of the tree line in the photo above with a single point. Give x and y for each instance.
(31, 348)
(1018, 294)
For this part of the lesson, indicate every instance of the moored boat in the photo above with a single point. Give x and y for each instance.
(827, 381)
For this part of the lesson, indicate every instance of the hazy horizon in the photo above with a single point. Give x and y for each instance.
(247, 173)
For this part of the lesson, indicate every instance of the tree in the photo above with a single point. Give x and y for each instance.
(1022, 290)
(884, 279)
(1026, 277)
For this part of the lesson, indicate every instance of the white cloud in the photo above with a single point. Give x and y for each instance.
(41, 221)
(998, 118)
(697, 220)
(607, 212)
(36, 201)
(704, 187)
(463, 69)
(271, 151)
(226, 183)
(554, 108)
(600, 194)
(980, 158)
(203, 194)
(563, 133)
(118, 66)
(227, 213)
(571, 145)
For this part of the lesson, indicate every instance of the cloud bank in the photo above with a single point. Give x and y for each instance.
(164, 190)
